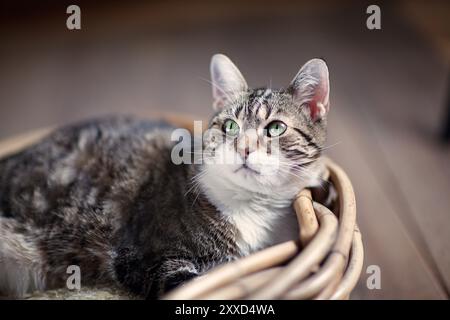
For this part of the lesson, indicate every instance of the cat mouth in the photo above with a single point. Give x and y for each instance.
(246, 168)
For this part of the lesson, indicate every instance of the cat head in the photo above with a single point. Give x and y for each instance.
(265, 138)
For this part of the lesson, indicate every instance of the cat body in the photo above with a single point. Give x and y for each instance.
(106, 196)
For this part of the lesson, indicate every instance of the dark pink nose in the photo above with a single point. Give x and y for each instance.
(247, 144)
(244, 152)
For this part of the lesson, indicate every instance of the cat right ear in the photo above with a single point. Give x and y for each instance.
(311, 88)
(227, 81)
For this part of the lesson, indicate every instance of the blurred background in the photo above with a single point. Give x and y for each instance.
(389, 90)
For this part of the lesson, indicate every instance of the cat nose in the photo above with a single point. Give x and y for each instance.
(244, 153)
(247, 144)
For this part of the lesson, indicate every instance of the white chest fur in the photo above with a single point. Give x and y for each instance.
(259, 227)
(260, 218)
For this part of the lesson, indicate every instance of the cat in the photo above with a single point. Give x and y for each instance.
(106, 196)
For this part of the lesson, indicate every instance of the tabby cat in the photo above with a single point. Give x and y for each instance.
(106, 195)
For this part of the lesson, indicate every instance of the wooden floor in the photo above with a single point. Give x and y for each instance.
(388, 96)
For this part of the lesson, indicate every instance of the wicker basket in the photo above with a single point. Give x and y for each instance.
(324, 263)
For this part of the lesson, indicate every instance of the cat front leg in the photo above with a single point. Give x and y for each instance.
(171, 274)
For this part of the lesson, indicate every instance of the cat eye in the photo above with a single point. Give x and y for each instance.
(231, 128)
(276, 128)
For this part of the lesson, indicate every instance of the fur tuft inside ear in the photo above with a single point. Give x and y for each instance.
(227, 81)
(311, 88)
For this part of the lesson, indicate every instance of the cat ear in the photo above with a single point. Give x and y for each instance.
(227, 81)
(311, 88)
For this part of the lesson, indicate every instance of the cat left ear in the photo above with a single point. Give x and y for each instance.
(227, 81)
(311, 88)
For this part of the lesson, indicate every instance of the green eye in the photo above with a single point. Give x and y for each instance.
(276, 128)
(231, 127)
